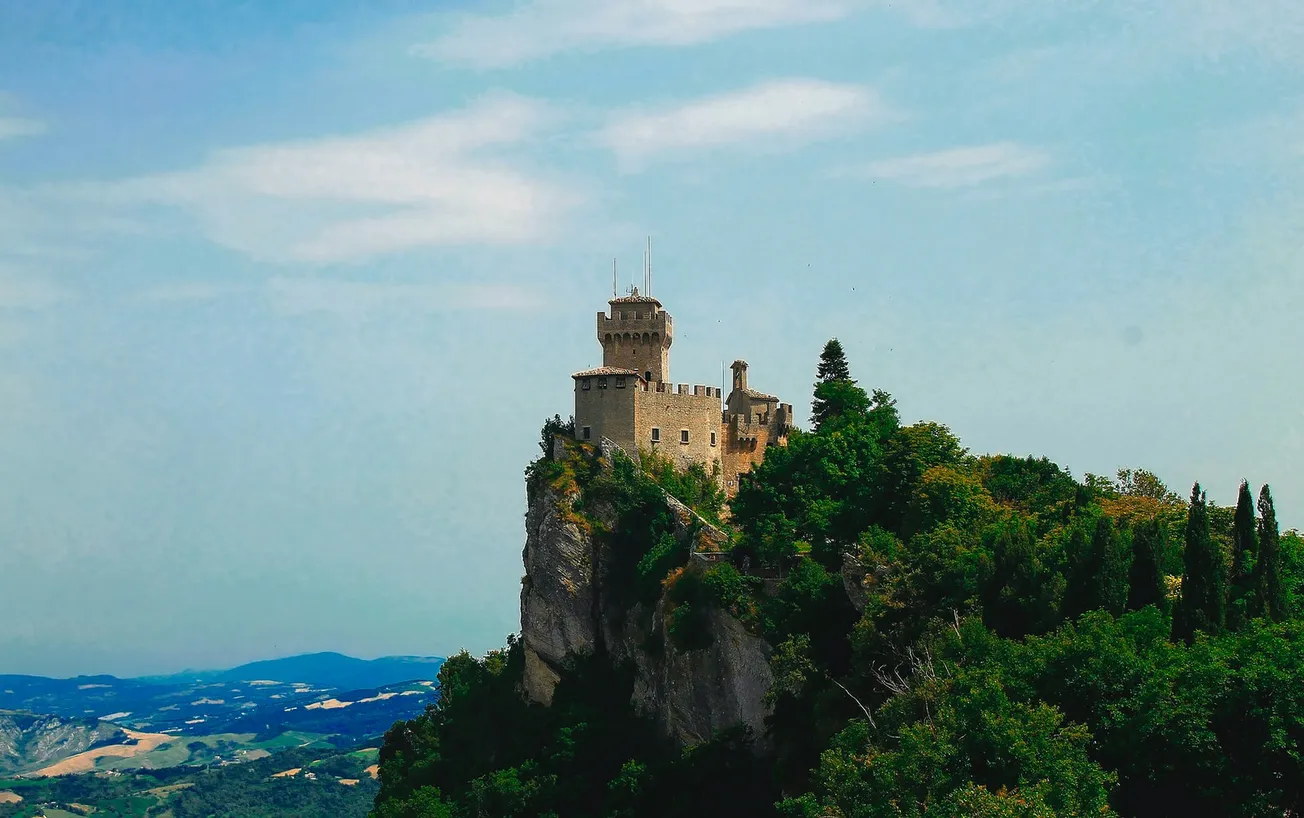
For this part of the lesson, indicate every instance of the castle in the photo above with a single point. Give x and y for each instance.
(631, 401)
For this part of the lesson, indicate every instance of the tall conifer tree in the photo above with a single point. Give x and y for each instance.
(1111, 580)
(1146, 575)
(835, 392)
(1203, 605)
(1244, 549)
(1269, 595)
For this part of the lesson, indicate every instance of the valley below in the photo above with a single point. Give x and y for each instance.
(308, 725)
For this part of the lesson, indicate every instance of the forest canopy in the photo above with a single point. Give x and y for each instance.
(951, 634)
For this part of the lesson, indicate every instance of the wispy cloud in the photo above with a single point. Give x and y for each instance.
(956, 167)
(780, 113)
(20, 292)
(445, 180)
(358, 299)
(542, 28)
(11, 127)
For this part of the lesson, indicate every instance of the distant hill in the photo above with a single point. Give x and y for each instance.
(324, 670)
(201, 717)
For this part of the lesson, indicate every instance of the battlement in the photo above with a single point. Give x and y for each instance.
(693, 391)
(635, 323)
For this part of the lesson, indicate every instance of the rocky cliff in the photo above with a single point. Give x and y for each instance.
(569, 605)
(28, 741)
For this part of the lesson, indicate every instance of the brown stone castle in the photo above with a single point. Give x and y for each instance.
(631, 401)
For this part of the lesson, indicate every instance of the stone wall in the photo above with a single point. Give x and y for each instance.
(694, 409)
(606, 412)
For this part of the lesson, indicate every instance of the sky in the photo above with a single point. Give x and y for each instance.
(288, 288)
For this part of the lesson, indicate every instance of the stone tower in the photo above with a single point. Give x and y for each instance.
(636, 336)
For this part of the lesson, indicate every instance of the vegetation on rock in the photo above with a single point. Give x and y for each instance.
(950, 635)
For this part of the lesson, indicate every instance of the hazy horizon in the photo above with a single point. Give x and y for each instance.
(286, 294)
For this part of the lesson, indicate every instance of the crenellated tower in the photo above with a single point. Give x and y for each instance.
(636, 335)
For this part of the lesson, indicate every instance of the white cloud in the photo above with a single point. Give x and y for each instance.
(957, 167)
(439, 181)
(542, 28)
(778, 113)
(11, 127)
(358, 299)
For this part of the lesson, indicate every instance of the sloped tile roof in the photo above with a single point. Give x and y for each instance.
(605, 370)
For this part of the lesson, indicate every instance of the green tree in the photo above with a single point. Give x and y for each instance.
(1269, 590)
(1146, 584)
(1111, 584)
(1203, 605)
(835, 392)
(1099, 570)
(1244, 550)
(833, 363)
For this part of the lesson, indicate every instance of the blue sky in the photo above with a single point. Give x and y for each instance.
(286, 289)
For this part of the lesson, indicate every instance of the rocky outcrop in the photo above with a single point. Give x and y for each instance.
(30, 741)
(567, 608)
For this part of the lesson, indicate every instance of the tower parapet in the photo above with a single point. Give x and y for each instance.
(637, 335)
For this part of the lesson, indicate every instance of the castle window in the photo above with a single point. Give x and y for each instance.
(683, 435)
(585, 384)
(713, 438)
(620, 381)
(588, 433)
(656, 435)
(602, 382)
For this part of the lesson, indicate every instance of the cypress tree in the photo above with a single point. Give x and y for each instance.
(1203, 606)
(1099, 574)
(1078, 594)
(1111, 579)
(1270, 596)
(1244, 548)
(1146, 575)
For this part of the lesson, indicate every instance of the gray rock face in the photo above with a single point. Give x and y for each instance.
(565, 610)
(28, 742)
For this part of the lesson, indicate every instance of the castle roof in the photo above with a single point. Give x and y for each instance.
(635, 299)
(752, 393)
(605, 370)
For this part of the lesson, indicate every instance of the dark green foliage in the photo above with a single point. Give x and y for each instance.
(836, 394)
(833, 363)
(955, 744)
(1098, 576)
(949, 636)
(1203, 602)
(555, 427)
(1020, 588)
(1032, 485)
(642, 542)
(589, 754)
(695, 487)
(1245, 547)
(1146, 584)
(1269, 590)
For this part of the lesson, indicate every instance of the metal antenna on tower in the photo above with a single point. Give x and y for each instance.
(649, 265)
(613, 277)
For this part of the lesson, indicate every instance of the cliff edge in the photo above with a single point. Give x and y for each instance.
(576, 599)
